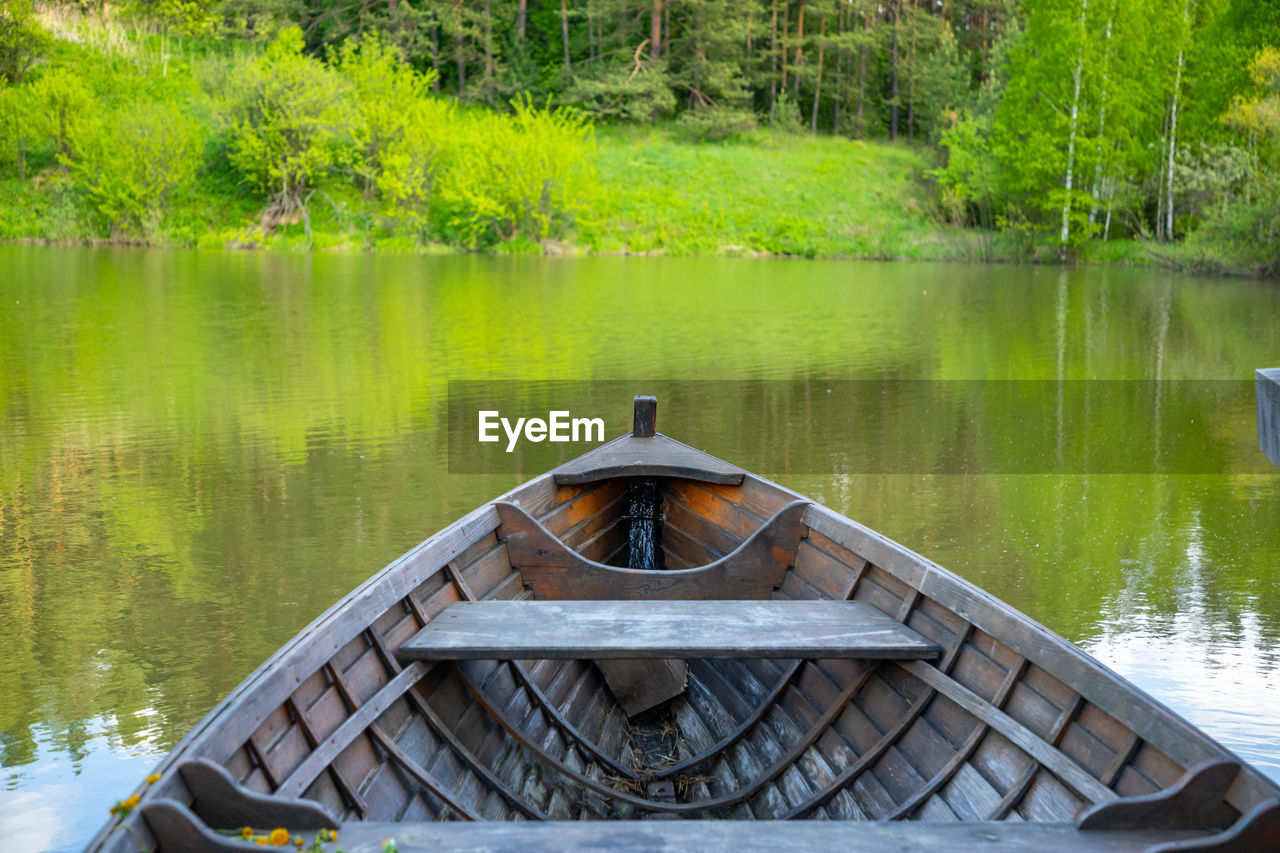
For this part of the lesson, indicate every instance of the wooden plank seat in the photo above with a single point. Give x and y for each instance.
(522, 630)
(174, 824)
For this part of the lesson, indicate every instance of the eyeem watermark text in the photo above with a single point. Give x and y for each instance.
(559, 426)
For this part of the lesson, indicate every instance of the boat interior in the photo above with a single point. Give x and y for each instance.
(948, 707)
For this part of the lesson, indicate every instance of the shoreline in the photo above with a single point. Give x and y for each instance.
(1131, 259)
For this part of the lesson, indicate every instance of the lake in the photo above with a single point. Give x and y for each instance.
(201, 452)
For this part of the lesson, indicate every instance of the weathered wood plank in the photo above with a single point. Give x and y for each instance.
(315, 763)
(1194, 802)
(646, 456)
(557, 572)
(1154, 723)
(1267, 382)
(1053, 760)
(175, 821)
(639, 685)
(644, 416)
(664, 629)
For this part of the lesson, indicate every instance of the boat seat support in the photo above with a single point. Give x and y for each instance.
(1195, 801)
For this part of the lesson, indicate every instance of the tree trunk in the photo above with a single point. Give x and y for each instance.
(435, 52)
(862, 72)
(783, 53)
(773, 64)
(564, 32)
(835, 101)
(655, 30)
(461, 58)
(893, 70)
(799, 55)
(817, 83)
(522, 16)
(591, 35)
(1173, 130)
(488, 52)
(1095, 191)
(1164, 140)
(911, 77)
(1075, 118)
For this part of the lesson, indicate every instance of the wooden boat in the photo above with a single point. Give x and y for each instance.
(781, 675)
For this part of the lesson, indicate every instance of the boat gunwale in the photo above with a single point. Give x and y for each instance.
(1093, 680)
(191, 745)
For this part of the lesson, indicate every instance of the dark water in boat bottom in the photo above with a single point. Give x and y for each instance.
(201, 452)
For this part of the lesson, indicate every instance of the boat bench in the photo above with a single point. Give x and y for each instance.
(602, 630)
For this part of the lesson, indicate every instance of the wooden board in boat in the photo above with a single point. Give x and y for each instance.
(523, 630)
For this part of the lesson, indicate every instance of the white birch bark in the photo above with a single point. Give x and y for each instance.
(1173, 130)
(1075, 120)
(1102, 118)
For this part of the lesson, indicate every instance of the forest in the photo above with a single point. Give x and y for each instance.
(1122, 130)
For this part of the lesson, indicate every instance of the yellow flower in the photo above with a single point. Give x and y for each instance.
(247, 832)
(262, 839)
(130, 803)
(298, 842)
(115, 808)
(279, 837)
(153, 778)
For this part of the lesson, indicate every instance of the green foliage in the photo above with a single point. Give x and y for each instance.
(191, 18)
(525, 174)
(17, 123)
(786, 115)
(22, 40)
(63, 106)
(967, 180)
(716, 124)
(1258, 114)
(943, 86)
(129, 164)
(624, 93)
(1210, 178)
(388, 95)
(411, 162)
(288, 119)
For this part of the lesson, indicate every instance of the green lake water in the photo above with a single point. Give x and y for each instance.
(200, 452)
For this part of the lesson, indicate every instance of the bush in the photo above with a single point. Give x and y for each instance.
(63, 106)
(716, 124)
(786, 115)
(16, 127)
(287, 119)
(22, 40)
(411, 162)
(627, 93)
(389, 96)
(128, 164)
(1242, 240)
(524, 174)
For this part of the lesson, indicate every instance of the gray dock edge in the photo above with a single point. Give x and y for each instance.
(1268, 383)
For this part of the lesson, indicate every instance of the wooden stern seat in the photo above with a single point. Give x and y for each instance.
(522, 630)
(1157, 823)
